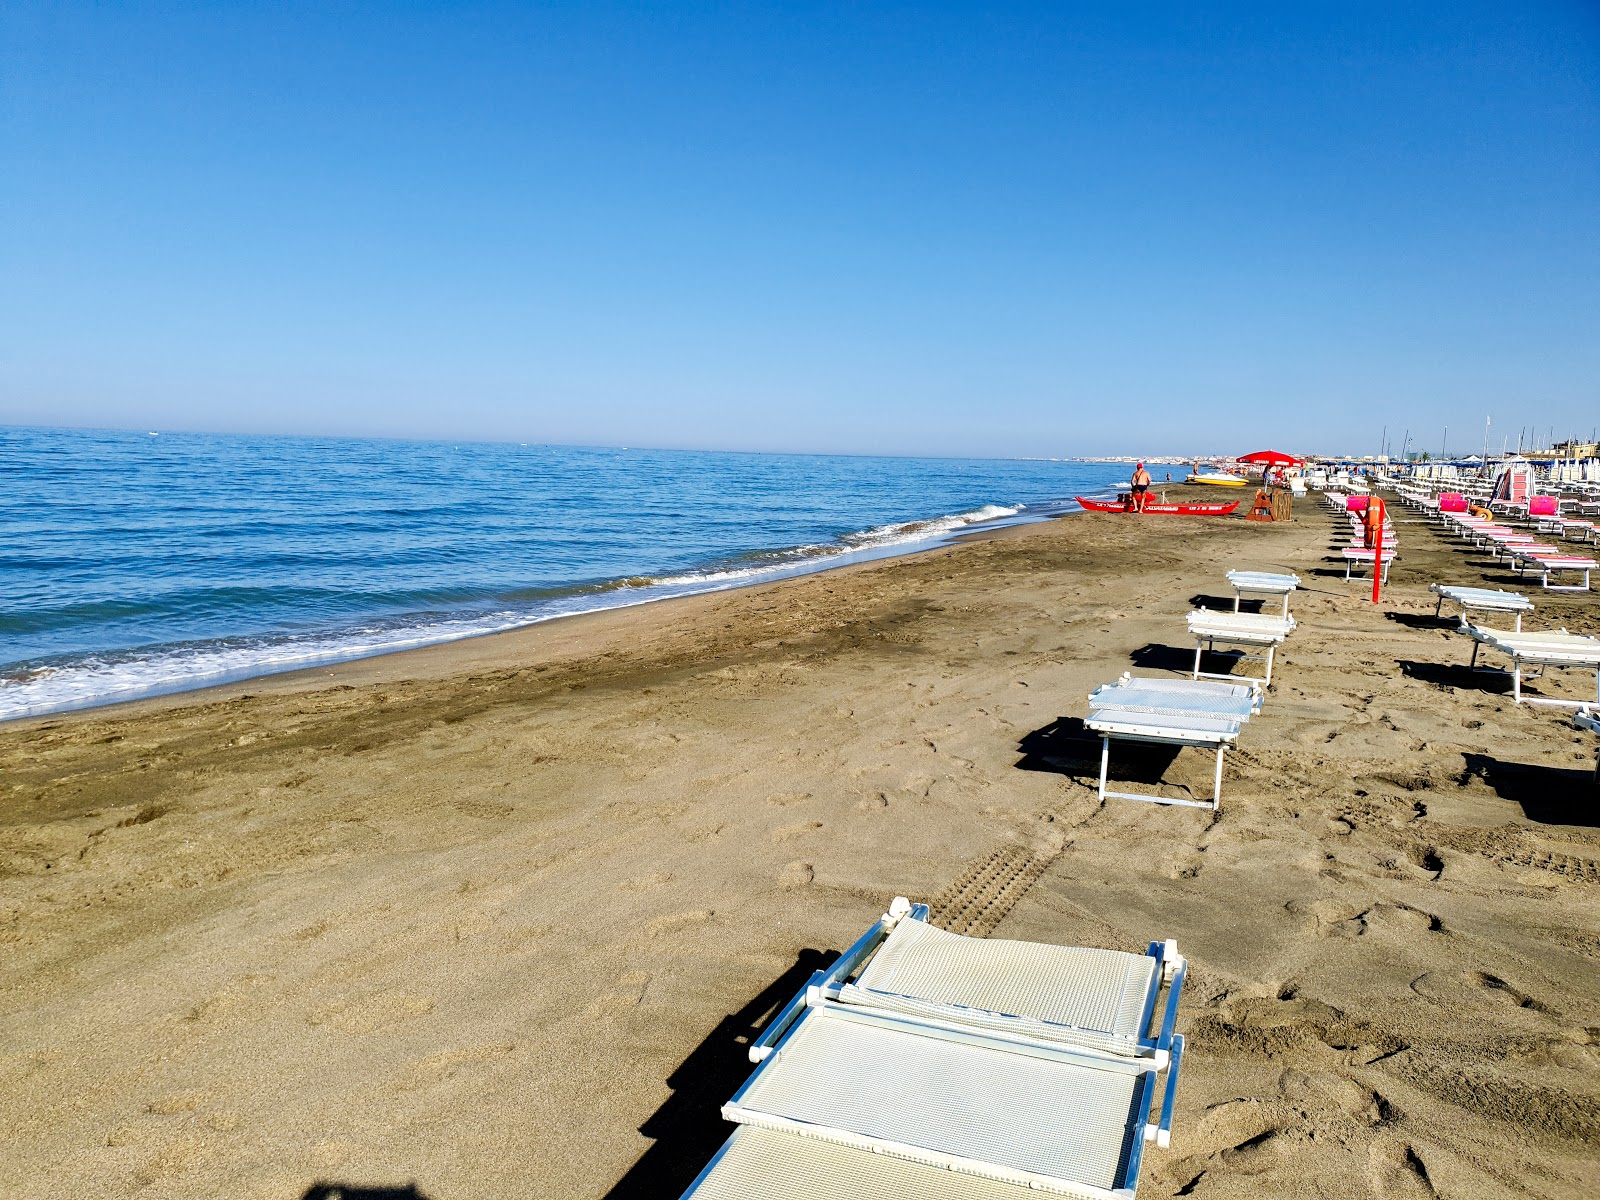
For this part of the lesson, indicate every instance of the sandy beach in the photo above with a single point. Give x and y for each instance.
(494, 919)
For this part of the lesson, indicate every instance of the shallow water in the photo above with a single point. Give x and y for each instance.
(137, 564)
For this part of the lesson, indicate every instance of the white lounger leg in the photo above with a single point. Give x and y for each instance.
(1105, 761)
(1199, 645)
(1267, 682)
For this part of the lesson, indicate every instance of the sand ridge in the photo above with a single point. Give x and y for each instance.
(493, 918)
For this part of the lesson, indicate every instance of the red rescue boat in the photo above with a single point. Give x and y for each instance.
(1166, 510)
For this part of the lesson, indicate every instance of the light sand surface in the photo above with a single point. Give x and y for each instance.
(495, 918)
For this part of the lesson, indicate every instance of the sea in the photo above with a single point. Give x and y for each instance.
(141, 563)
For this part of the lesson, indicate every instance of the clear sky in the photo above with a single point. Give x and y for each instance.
(967, 229)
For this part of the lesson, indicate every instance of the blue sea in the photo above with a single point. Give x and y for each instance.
(142, 563)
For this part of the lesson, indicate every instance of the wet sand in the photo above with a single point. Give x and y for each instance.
(493, 919)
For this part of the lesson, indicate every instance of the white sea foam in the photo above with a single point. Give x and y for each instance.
(133, 674)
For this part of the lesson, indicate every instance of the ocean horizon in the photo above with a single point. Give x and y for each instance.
(141, 564)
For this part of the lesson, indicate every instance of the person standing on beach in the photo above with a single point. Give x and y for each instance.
(1141, 488)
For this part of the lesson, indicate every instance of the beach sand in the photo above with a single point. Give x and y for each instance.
(494, 919)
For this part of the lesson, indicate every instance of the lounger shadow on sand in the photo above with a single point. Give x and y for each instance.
(1156, 657)
(1423, 620)
(1249, 604)
(1548, 795)
(1456, 675)
(1067, 746)
(688, 1128)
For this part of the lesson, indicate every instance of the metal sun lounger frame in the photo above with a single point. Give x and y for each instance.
(1238, 629)
(1473, 599)
(1526, 650)
(1263, 583)
(1181, 712)
(1354, 555)
(820, 1000)
(1169, 969)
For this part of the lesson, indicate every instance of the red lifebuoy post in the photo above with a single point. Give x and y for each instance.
(1375, 526)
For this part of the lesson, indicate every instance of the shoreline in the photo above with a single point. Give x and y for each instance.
(667, 591)
(375, 923)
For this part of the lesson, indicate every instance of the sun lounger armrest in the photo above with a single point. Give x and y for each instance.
(852, 958)
(773, 1033)
(1169, 1018)
(1161, 1132)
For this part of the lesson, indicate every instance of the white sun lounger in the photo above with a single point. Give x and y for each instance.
(768, 1164)
(1179, 697)
(860, 1098)
(1262, 583)
(1542, 648)
(1102, 1001)
(1258, 630)
(1052, 1118)
(1547, 564)
(1473, 600)
(1133, 725)
(1354, 555)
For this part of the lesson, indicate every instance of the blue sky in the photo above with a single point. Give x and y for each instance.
(999, 229)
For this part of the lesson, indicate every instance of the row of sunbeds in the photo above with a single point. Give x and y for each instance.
(927, 1064)
(1539, 649)
(1207, 710)
(1355, 550)
(1524, 548)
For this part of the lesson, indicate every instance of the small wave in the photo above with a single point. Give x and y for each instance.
(33, 689)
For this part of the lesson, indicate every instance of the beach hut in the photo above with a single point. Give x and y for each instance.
(1514, 481)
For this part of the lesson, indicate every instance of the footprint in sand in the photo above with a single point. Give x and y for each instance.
(181, 1102)
(785, 799)
(790, 832)
(371, 1012)
(625, 996)
(796, 875)
(642, 883)
(448, 1063)
(1396, 1172)
(674, 922)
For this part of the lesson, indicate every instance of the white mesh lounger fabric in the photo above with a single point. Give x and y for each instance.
(764, 1164)
(1473, 599)
(1540, 648)
(1101, 999)
(1237, 629)
(1057, 1119)
(861, 1100)
(1178, 697)
(1262, 583)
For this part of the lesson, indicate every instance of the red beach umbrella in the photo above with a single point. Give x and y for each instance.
(1272, 458)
